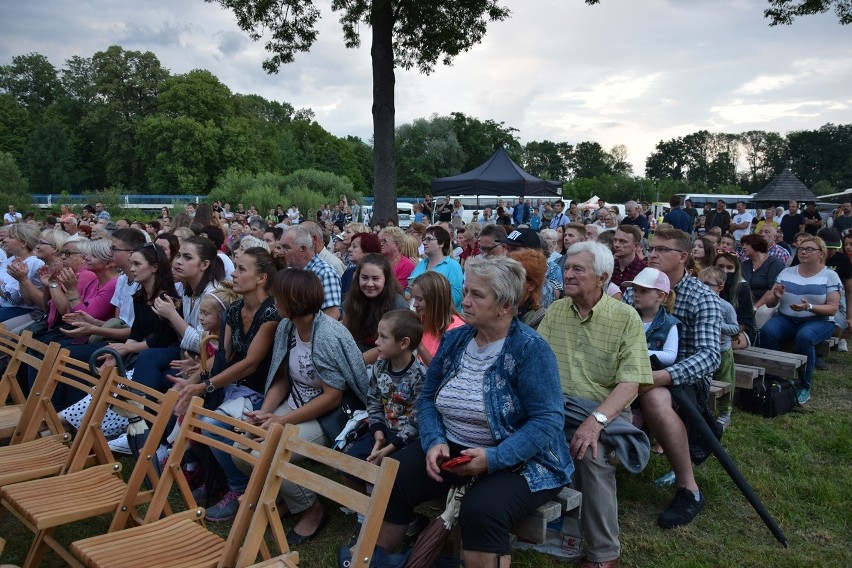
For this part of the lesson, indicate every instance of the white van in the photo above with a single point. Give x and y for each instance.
(404, 212)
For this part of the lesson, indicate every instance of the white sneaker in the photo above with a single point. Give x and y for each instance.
(119, 445)
(842, 346)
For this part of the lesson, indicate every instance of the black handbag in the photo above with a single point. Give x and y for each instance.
(772, 397)
(333, 421)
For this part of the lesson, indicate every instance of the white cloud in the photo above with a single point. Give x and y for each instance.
(764, 83)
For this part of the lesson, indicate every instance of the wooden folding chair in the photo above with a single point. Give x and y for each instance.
(45, 504)
(30, 456)
(371, 506)
(17, 350)
(181, 539)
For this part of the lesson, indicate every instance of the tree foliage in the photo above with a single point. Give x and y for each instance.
(783, 12)
(404, 34)
(119, 119)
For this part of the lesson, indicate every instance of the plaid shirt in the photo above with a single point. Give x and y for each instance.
(330, 282)
(629, 273)
(780, 253)
(700, 314)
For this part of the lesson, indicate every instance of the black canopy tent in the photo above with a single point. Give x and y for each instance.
(499, 175)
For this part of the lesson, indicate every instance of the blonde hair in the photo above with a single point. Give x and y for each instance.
(223, 295)
(408, 246)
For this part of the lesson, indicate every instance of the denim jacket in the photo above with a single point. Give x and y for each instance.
(658, 331)
(523, 402)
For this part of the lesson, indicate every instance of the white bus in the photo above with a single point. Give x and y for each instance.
(699, 199)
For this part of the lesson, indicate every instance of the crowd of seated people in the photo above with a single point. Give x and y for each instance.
(459, 340)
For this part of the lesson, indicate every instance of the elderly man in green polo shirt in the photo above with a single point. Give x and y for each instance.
(602, 355)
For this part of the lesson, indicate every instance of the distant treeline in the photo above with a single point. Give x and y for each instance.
(120, 120)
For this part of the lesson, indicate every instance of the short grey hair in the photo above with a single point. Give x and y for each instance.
(84, 245)
(506, 277)
(602, 259)
(101, 249)
(301, 236)
(549, 237)
(631, 205)
(250, 241)
(55, 237)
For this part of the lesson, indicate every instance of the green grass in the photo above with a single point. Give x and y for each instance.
(799, 464)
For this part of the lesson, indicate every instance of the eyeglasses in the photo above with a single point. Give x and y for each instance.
(44, 244)
(489, 249)
(114, 248)
(808, 250)
(661, 249)
(429, 239)
(69, 252)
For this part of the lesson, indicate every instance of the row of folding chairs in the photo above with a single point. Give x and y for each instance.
(49, 479)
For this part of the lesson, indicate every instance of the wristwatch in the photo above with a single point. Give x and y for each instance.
(208, 386)
(601, 418)
(54, 285)
(810, 307)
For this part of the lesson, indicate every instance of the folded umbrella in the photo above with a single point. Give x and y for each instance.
(715, 446)
(431, 541)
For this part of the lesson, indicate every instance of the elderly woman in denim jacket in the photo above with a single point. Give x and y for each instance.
(491, 393)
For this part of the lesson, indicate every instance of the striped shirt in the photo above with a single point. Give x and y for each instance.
(596, 353)
(813, 289)
(460, 400)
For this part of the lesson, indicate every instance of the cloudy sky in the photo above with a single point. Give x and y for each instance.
(624, 72)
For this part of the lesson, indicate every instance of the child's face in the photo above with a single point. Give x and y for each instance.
(208, 315)
(387, 346)
(647, 298)
(714, 286)
(418, 302)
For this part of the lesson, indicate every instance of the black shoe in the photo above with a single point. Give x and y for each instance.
(681, 510)
(295, 539)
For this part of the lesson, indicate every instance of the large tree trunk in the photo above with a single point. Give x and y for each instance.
(384, 168)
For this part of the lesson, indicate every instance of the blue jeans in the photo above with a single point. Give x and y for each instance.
(13, 312)
(152, 366)
(237, 480)
(807, 334)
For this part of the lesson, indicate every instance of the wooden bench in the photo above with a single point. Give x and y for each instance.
(780, 363)
(748, 375)
(533, 527)
(719, 391)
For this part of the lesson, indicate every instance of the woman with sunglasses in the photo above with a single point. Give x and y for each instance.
(436, 245)
(95, 277)
(391, 239)
(808, 297)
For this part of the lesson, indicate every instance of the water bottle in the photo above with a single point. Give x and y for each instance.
(666, 479)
